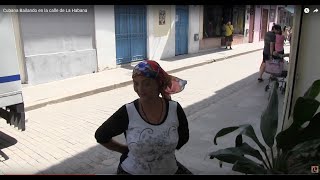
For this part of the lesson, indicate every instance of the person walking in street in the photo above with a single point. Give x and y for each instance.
(154, 126)
(229, 34)
(269, 47)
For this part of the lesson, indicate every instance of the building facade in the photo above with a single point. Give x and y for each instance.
(58, 45)
(212, 19)
(266, 15)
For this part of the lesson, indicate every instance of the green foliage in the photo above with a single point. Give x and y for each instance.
(297, 147)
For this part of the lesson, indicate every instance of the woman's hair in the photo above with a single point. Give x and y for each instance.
(284, 28)
(277, 27)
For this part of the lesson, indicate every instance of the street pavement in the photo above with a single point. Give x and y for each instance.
(36, 96)
(59, 138)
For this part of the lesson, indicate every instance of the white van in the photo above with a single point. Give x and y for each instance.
(11, 99)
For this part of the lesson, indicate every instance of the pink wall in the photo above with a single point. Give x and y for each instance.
(257, 20)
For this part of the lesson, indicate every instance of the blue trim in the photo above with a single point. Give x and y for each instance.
(6, 79)
(131, 33)
(182, 25)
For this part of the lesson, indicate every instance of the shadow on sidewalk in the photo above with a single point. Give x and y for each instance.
(206, 52)
(222, 93)
(98, 160)
(95, 160)
(5, 141)
(239, 103)
(128, 66)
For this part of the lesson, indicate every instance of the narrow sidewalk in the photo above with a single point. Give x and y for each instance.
(38, 96)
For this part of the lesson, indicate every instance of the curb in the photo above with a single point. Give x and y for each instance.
(126, 83)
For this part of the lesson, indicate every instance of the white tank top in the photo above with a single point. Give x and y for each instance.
(151, 147)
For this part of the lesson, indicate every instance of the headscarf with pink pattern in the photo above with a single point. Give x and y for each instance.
(168, 84)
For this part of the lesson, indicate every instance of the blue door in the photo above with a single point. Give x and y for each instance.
(131, 33)
(182, 21)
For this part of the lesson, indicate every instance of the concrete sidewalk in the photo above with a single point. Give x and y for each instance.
(72, 88)
(60, 138)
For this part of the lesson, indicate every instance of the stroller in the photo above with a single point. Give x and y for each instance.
(275, 68)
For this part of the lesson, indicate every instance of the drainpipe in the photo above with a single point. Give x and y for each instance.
(276, 15)
(269, 18)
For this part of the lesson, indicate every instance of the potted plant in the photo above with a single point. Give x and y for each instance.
(297, 148)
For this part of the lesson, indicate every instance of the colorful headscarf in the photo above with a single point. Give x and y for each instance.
(168, 84)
